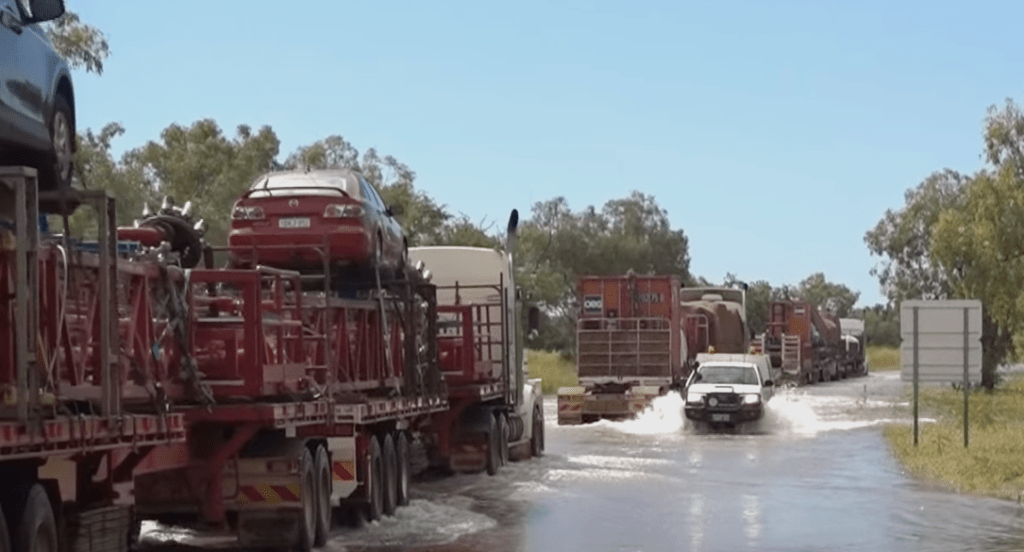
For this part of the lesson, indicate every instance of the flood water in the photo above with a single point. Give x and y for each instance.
(816, 474)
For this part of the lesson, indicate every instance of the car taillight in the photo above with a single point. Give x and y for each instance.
(243, 212)
(343, 211)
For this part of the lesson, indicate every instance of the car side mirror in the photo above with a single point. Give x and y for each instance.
(45, 10)
(769, 383)
(396, 210)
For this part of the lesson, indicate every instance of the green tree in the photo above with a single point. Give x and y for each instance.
(903, 238)
(82, 46)
(836, 298)
(199, 164)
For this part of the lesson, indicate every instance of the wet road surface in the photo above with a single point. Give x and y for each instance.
(815, 474)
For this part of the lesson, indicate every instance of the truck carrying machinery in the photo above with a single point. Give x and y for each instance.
(630, 347)
(715, 320)
(804, 342)
(139, 385)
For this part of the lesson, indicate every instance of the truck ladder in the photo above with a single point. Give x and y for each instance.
(791, 351)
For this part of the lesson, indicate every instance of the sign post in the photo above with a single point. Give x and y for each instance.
(941, 344)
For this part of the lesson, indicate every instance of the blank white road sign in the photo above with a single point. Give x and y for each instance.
(940, 340)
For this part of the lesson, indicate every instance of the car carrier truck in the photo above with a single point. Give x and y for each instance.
(141, 385)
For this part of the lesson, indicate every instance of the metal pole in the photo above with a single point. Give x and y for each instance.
(915, 375)
(967, 382)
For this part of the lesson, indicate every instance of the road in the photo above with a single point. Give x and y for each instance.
(815, 475)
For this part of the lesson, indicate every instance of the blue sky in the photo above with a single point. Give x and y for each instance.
(774, 133)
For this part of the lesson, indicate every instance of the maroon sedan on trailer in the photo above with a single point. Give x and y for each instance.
(296, 219)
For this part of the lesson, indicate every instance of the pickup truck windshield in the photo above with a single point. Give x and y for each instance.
(737, 375)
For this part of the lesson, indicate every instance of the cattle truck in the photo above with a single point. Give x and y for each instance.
(630, 347)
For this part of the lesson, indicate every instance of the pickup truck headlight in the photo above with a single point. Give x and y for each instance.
(692, 397)
(751, 398)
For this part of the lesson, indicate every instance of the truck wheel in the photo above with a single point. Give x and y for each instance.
(390, 476)
(324, 481)
(308, 496)
(376, 505)
(502, 438)
(37, 530)
(403, 469)
(537, 434)
(493, 441)
(5, 535)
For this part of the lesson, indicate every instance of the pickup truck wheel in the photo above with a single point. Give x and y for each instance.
(390, 476)
(493, 441)
(59, 170)
(36, 530)
(537, 433)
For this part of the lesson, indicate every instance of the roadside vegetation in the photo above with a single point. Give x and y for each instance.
(883, 358)
(554, 368)
(992, 464)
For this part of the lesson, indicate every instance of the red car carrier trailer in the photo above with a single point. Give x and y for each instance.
(262, 399)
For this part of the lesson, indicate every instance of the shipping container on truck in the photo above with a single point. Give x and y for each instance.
(82, 377)
(630, 347)
(804, 342)
(714, 320)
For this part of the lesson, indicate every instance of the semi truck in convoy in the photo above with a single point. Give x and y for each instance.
(854, 359)
(715, 320)
(637, 339)
(804, 342)
(141, 384)
(630, 347)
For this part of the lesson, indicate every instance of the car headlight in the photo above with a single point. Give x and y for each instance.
(751, 398)
(694, 397)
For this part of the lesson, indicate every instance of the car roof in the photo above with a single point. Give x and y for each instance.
(306, 182)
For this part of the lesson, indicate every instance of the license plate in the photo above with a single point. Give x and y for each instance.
(719, 417)
(297, 222)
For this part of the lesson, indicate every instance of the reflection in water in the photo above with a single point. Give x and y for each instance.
(751, 518)
(696, 521)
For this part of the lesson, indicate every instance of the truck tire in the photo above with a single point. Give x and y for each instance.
(324, 482)
(5, 535)
(308, 496)
(493, 456)
(390, 476)
(502, 438)
(36, 530)
(375, 508)
(537, 433)
(404, 467)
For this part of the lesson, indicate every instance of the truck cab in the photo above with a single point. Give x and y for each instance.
(728, 389)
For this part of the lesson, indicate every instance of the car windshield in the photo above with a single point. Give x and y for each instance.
(290, 184)
(738, 375)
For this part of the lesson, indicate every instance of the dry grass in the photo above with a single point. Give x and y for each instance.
(993, 464)
(555, 370)
(883, 358)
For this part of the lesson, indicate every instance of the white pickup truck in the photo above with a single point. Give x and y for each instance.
(728, 389)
